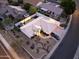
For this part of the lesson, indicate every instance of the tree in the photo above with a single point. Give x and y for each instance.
(7, 21)
(32, 10)
(27, 6)
(69, 6)
(16, 29)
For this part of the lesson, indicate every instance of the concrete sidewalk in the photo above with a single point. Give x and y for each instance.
(9, 48)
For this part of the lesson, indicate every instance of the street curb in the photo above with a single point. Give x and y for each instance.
(55, 47)
(76, 56)
(9, 48)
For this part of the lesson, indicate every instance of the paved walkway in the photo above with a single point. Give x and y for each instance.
(9, 48)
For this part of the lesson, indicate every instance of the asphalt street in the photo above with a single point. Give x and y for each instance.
(68, 46)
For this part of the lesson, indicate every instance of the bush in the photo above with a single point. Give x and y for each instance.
(7, 21)
(27, 6)
(32, 10)
(16, 29)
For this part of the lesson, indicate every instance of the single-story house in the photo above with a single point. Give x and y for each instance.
(54, 9)
(40, 22)
(15, 11)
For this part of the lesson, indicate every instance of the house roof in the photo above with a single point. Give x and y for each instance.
(53, 7)
(15, 11)
(44, 23)
(33, 2)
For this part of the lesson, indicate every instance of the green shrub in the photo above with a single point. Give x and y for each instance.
(32, 10)
(16, 29)
(27, 6)
(7, 21)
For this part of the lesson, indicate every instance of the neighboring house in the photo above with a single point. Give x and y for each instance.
(8, 10)
(3, 4)
(15, 11)
(3, 9)
(53, 9)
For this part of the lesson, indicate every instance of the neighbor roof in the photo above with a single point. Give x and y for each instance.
(53, 7)
(15, 11)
